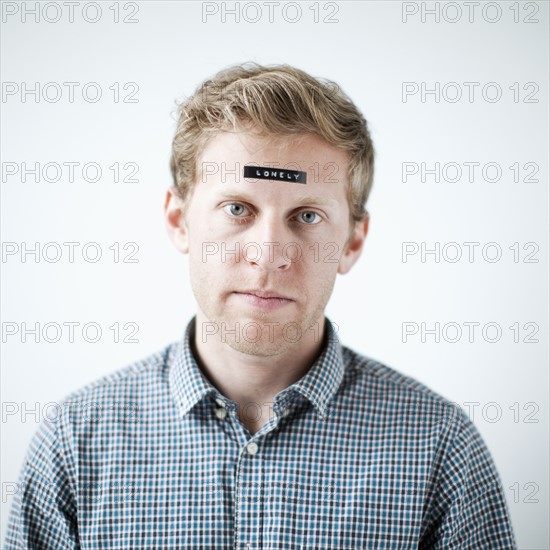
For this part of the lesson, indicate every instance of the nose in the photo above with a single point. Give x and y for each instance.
(270, 246)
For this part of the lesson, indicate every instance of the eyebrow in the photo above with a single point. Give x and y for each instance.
(302, 199)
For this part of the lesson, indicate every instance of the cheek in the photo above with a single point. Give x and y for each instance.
(210, 259)
(323, 275)
(204, 241)
(323, 256)
(318, 272)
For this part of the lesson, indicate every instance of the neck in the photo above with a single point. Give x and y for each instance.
(251, 378)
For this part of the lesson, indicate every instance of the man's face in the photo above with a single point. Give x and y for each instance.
(245, 235)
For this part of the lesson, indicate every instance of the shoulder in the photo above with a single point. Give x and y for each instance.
(392, 396)
(133, 379)
(399, 406)
(112, 402)
(383, 379)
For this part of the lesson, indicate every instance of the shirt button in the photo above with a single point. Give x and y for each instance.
(221, 413)
(220, 402)
(286, 412)
(252, 448)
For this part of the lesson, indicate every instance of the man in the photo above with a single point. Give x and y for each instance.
(259, 429)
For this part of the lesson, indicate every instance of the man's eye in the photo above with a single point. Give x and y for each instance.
(235, 209)
(308, 217)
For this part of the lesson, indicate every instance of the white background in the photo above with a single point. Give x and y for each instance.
(370, 52)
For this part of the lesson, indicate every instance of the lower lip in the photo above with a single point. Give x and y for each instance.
(264, 303)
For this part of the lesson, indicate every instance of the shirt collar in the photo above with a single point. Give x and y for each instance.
(188, 385)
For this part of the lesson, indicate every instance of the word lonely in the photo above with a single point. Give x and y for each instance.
(262, 173)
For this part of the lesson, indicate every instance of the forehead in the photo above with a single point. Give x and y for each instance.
(226, 155)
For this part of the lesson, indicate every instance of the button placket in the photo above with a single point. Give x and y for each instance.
(249, 497)
(252, 448)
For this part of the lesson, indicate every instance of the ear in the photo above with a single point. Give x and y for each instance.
(354, 245)
(176, 224)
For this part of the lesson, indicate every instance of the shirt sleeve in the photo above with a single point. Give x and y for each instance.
(43, 512)
(467, 508)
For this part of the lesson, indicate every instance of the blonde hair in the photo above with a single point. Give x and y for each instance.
(280, 101)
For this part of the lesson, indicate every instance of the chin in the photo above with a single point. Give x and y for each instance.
(261, 348)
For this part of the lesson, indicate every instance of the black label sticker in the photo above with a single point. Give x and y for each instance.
(278, 174)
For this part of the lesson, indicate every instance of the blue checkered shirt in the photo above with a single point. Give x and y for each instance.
(354, 456)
